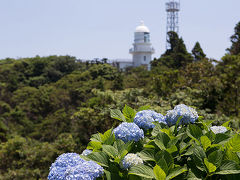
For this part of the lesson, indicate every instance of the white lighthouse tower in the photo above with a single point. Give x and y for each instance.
(142, 48)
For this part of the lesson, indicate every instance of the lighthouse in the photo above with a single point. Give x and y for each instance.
(142, 48)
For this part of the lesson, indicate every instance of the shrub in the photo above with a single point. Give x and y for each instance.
(187, 148)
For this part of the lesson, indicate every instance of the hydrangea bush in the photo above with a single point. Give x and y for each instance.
(147, 145)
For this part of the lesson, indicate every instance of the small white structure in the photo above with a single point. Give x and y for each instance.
(121, 64)
(142, 48)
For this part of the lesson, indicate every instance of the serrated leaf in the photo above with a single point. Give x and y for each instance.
(205, 142)
(229, 165)
(95, 145)
(129, 113)
(99, 157)
(221, 138)
(234, 143)
(162, 140)
(194, 132)
(159, 173)
(142, 171)
(110, 150)
(198, 156)
(216, 157)
(108, 137)
(211, 167)
(147, 155)
(175, 172)
(96, 137)
(117, 114)
(164, 160)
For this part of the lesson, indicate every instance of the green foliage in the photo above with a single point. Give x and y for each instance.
(192, 151)
(235, 40)
(198, 52)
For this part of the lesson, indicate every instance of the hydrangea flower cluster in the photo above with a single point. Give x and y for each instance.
(131, 160)
(86, 152)
(128, 132)
(70, 166)
(88, 170)
(144, 119)
(218, 129)
(188, 114)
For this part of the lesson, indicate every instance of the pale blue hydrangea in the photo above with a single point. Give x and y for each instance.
(66, 167)
(218, 129)
(144, 119)
(87, 170)
(131, 160)
(64, 161)
(188, 114)
(86, 152)
(128, 132)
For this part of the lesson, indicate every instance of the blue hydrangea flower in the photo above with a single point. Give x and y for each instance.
(144, 119)
(131, 160)
(88, 170)
(70, 166)
(128, 132)
(189, 115)
(86, 152)
(218, 129)
(64, 161)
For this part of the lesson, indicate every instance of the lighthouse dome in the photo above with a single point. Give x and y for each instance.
(142, 28)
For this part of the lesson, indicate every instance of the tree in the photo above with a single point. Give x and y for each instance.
(198, 52)
(235, 39)
(175, 57)
(229, 72)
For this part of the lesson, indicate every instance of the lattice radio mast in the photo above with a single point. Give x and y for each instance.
(172, 8)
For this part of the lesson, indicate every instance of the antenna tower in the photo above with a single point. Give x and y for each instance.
(172, 8)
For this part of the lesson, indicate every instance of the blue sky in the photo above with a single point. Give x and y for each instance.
(104, 28)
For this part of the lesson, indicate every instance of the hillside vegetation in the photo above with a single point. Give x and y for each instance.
(51, 105)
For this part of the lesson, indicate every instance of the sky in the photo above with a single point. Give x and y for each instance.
(91, 29)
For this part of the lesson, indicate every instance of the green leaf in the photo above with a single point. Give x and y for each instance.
(142, 171)
(96, 137)
(164, 160)
(205, 142)
(226, 124)
(95, 145)
(110, 150)
(228, 172)
(176, 125)
(175, 172)
(162, 140)
(147, 107)
(147, 155)
(159, 173)
(229, 165)
(234, 143)
(99, 157)
(194, 132)
(156, 130)
(198, 156)
(211, 167)
(117, 114)
(129, 113)
(172, 149)
(221, 138)
(216, 157)
(108, 137)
